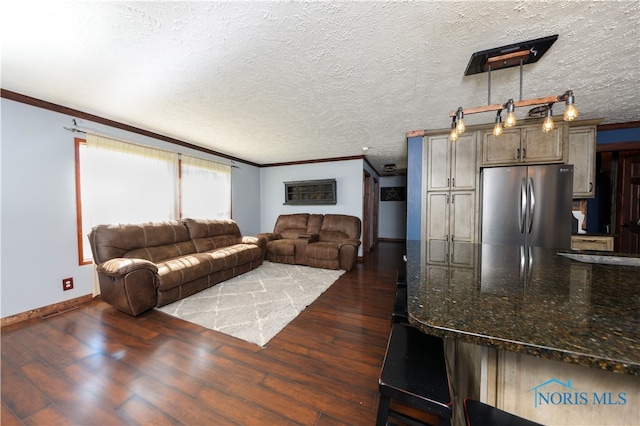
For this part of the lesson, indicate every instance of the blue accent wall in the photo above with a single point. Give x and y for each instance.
(414, 188)
(618, 136)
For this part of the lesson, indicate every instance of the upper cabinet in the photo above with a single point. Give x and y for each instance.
(582, 154)
(524, 145)
(451, 165)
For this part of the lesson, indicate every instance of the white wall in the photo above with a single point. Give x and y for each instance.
(392, 223)
(38, 210)
(348, 176)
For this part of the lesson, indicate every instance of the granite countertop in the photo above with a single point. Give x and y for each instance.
(529, 300)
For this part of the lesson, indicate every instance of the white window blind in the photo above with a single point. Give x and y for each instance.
(206, 188)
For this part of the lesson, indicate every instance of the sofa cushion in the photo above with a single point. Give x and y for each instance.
(160, 253)
(338, 227)
(153, 241)
(323, 250)
(175, 272)
(291, 225)
(315, 223)
(212, 234)
(285, 247)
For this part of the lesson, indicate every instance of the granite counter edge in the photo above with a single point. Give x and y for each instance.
(584, 360)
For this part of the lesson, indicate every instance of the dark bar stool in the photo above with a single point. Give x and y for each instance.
(414, 373)
(480, 414)
(400, 308)
(401, 280)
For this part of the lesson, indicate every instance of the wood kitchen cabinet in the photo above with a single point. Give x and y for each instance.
(451, 177)
(451, 216)
(454, 167)
(451, 165)
(524, 145)
(582, 154)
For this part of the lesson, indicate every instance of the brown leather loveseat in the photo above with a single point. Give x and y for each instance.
(153, 264)
(328, 241)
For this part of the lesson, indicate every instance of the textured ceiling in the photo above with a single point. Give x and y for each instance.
(273, 82)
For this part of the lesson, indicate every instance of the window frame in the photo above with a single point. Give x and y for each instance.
(78, 142)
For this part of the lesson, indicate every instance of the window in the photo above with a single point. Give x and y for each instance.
(119, 182)
(206, 189)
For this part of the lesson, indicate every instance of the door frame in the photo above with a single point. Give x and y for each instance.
(624, 199)
(366, 212)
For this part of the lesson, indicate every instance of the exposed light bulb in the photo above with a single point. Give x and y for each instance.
(510, 119)
(497, 128)
(460, 127)
(547, 124)
(453, 136)
(570, 110)
(570, 113)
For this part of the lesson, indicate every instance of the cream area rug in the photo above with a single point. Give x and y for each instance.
(256, 305)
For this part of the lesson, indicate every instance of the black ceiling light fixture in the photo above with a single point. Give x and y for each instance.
(509, 56)
(518, 54)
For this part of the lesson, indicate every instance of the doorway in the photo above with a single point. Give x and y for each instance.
(366, 213)
(628, 202)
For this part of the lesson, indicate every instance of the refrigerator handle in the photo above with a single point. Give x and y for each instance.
(532, 205)
(523, 264)
(523, 205)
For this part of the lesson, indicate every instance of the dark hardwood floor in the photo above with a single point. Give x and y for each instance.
(95, 365)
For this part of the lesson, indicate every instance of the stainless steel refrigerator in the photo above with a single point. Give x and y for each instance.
(528, 205)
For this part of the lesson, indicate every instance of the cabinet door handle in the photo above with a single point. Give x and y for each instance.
(590, 186)
(453, 198)
(453, 182)
(447, 181)
(517, 153)
(524, 152)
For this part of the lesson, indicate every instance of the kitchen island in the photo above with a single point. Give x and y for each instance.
(530, 331)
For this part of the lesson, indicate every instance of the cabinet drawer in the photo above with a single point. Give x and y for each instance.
(597, 243)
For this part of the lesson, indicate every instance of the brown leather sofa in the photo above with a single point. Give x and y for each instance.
(325, 241)
(146, 265)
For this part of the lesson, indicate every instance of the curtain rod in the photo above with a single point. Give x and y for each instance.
(76, 130)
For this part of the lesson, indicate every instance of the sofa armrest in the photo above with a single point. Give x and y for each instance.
(251, 240)
(350, 242)
(128, 284)
(119, 266)
(259, 240)
(269, 236)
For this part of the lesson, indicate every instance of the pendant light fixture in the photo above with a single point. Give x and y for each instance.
(460, 127)
(511, 105)
(497, 128)
(570, 110)
(453, 135)
(548, 124)
(503, 57)
(510, 119)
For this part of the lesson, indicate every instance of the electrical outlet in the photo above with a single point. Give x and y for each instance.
(67, 284)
